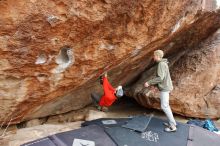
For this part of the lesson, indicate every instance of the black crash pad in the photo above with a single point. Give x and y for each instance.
(92, 135)
(138, 123)
(202, 137)
(174, 138)
(109, 132)
(154, 135)
(40, 142)
(107, 122)
(126, 137)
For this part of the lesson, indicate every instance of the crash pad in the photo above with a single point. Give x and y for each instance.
(107, 122)
(174, 138)
(92, 135)
(154, 135)
(201, 137)
(112, 132)
(126, 137)
(138, 123)
(40, 142)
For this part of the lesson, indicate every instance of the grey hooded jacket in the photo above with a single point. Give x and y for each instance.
(163, 79)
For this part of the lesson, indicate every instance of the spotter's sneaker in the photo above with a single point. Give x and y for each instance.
(167, 124)
(170, 129)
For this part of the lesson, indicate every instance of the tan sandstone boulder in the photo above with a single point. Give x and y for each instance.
(53, 51)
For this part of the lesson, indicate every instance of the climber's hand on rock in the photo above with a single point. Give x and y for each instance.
(146, 85)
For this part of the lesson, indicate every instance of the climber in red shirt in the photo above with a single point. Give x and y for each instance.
(110, 94)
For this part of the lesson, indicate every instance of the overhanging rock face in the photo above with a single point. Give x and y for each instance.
(52, 52)
(196, 82)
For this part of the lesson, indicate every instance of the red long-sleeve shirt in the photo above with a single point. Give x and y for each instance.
(109, 97)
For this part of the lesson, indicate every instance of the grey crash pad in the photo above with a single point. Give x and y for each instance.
(138, 123)
(92, 135)
(154, 135)
(40, 142)
(107, 122)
